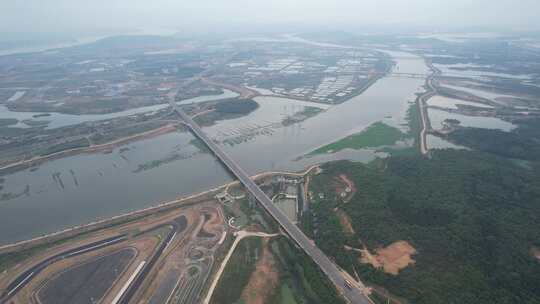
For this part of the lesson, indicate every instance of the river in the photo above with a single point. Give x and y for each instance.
(83, 188)
(57, 120)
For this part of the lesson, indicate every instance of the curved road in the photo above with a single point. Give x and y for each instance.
(26, 276)
(177, 227)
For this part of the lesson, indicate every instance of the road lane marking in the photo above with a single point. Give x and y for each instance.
(125, 287)
(169, 242)
(91, 248)
(22, 282)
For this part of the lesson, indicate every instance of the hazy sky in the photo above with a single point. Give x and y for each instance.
(70, 15)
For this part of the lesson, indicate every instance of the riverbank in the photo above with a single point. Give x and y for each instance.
(27, 163)
(131, 216)
(421, 102)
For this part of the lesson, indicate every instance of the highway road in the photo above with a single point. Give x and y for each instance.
(139, 279)
(353, 294)
(27, 275)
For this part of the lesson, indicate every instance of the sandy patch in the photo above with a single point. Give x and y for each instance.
(392, 258)
(263, 280)
(345, 221)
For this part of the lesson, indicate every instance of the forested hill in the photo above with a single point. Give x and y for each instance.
(521, 143)
(473, 218)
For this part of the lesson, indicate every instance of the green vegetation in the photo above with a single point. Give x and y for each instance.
(227, 109)
(11, 259)
(300, 280)
(236, 106)
(299, 272)
(158, 162)
(414, 123)
(81, 143)
(472, 217)
(10, 195)
(521, 143)
(36, 123)
(41, 115)
(237, 272)
(376, 135)
(286, 295)
(197, 143)
(306, 113)
(125, 131)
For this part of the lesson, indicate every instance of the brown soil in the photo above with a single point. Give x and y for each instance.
(535, 251)
(345, 221)
(214, 223)
(340, 183)
(177, 256)
(346, 180)
(263, 280)
(392, 258)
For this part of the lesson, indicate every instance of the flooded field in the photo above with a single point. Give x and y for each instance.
(474, 71)
(480, 93)
(84, 188)
(437, 118)
(451, 103)
(434, 142)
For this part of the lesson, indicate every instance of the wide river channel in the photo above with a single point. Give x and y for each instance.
(80, 189)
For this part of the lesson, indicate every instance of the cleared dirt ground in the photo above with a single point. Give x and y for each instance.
(392, 258)
(345, 221)
(263, 280)
(194, 248)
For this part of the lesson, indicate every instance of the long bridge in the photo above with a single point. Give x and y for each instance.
(353, 291)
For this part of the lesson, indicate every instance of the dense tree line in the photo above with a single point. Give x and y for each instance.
(473, 218)
(236, 106)
(296, 265)
(521, 143)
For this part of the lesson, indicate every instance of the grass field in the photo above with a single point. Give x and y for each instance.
(287, 296)
(376, 135)
(237, 272)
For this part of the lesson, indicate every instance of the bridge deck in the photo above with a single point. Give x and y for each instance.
(332, 271)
